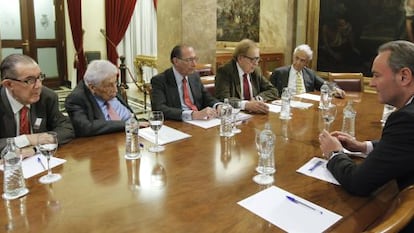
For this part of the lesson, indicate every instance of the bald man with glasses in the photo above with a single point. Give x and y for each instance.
(27, 108)
(178, 91)
(242, 78)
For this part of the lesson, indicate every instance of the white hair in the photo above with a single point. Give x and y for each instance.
(98, 71)
(305, 48)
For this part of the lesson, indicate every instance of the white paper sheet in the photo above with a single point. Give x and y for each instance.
(241, 116)
(320, 172)
(309, 96)
(273, 205)
(294, 104)
(165, 135)
(31, 166)
(274, 108)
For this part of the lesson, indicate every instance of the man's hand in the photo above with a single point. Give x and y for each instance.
(256, 106)
(329, 143)
(349, 142)
(205, 114)
(339, 93)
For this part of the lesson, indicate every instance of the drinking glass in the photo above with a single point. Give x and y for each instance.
(236, 106)
(156, 119)
(47, 144)
(328, 116)
(265, 146)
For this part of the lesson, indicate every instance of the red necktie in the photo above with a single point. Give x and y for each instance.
(187, 99)
(111, 112)
(246, 90)
(24, 121)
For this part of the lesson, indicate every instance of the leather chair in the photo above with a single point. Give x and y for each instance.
(348, 81)
(204, 69)
(210, 88)
(399, 215)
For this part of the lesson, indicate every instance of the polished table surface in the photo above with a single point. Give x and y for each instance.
(195, 184)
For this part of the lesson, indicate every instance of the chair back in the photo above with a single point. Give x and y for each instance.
(348, 81)
(397, 217)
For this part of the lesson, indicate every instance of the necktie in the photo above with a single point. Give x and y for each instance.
(187, 99)
(111, 112)
(299, 84)
(246, 90)
(24, 121)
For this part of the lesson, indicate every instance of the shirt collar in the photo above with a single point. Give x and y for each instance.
(240, 70)
(15, 105)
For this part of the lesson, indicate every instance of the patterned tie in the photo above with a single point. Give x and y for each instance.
(24, 121)
(111, 112)
(246, 90)
(187, 99)
(299, 84)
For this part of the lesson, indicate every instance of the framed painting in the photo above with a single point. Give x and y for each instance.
(349, 32)
(238, 19)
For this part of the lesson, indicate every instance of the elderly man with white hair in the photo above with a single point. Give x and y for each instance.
(95, 107)
(297, 76)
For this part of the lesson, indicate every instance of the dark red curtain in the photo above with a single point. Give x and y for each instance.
(75, 17)
(118, 16)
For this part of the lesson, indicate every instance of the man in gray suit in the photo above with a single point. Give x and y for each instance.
(24, 97)
(297, 76)
(178, 91)
(94, 100)
(242, 78)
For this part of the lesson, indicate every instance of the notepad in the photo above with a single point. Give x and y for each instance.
(320, 172)
(273, 205)
(294, 104)
(241, 116)
(165, 135)
(32, 167)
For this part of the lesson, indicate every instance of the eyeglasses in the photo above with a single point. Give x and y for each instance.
(30, 80)
(190, 59)
(252, 59)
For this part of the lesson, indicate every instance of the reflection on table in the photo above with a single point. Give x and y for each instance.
(195, 184)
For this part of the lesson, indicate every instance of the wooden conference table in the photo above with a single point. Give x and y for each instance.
(195, 184)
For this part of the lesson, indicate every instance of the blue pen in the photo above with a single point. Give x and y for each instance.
(41, 163)
(317, 164)
(294, 200)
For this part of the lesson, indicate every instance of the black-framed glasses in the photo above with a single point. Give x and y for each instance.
(252, 59)
(30, 80)
(190, 59)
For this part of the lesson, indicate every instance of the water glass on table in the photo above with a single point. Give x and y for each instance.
(328, 115)
(265, 143)
(47, 144)
(156, 120)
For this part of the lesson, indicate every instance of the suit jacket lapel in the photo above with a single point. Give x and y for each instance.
(236, 78)
(172, 88)
(8, 117)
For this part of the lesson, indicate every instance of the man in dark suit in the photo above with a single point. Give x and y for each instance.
(297, 76)
(94, 100)
(26, 107)
(179, 93)
(241, 78)
(392, 156)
